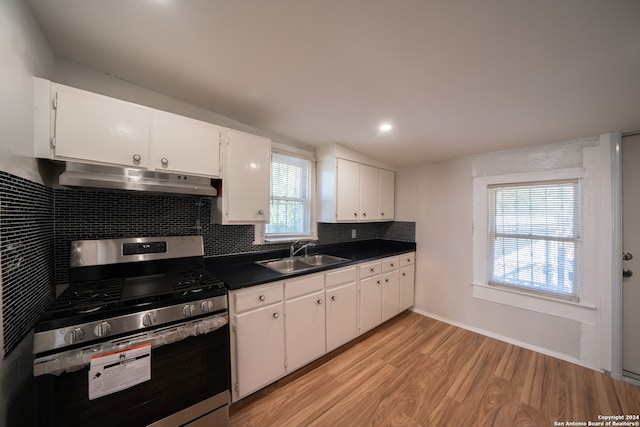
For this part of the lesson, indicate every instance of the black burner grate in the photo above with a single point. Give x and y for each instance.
(194, 281)
(89, 297)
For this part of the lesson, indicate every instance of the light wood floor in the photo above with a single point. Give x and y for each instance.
(416, 371)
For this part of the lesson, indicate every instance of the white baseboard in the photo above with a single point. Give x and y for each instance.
(508, 340)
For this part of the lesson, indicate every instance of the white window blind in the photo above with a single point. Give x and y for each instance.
(290, 210)
(535, 237)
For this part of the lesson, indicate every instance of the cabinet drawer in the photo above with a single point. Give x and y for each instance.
(338, 277)
(259, 296)
(390, 264)
(407, 259)
(294, 288)
(370, 269)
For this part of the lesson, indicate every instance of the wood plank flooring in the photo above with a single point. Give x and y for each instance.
(416, 371)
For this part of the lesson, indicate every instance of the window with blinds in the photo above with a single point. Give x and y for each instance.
(290, 210)
(535, 237)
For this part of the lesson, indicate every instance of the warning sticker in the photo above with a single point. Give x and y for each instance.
(113, 372)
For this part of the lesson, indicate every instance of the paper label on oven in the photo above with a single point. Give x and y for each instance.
(113, 372)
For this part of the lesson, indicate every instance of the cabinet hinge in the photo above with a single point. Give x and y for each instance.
(237, 387)
(53, 142)
(286, 365)
(235, 327)
(54, 102)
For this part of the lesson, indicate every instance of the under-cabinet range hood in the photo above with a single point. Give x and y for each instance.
(121, 178)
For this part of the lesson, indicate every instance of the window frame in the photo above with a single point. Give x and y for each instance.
(575, 239)
(261, 236)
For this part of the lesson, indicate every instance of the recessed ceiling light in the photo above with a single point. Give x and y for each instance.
(385, 127)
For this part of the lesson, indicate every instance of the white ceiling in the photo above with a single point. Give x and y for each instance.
(455, 77)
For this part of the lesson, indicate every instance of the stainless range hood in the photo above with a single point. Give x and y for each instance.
(117, 178)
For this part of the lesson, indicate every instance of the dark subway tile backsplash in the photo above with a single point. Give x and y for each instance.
(26, 253)
(92, 214)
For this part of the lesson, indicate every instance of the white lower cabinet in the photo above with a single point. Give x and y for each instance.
(390, 288)
(407, 280)
(304, 321)
(259, 348)
(341, 307)
(390, 295)
(257, 337)
(384, 291)
(281, 326)
(370, 303)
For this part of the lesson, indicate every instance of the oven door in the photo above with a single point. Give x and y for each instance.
(189, 381)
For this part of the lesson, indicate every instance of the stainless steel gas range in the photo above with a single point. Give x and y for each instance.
(139, 337)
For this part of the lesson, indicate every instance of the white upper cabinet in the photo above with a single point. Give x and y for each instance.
(347, 191)
(83, 127)
(98, 129)
(246, 180)
(183, 145)
(352, 188)
(368, 193)
(386, 179)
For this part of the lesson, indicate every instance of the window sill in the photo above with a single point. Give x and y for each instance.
(580, 311)
(274, 240)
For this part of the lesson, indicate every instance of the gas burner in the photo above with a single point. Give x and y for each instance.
(193, 282)
(191, 291)
(85, 298)
(91, 303)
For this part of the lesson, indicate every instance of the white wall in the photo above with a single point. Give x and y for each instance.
(444, 234)
(24, 53)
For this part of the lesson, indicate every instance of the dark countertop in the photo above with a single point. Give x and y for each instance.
(241, 271)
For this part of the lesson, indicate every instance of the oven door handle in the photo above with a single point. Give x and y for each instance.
(74, 360)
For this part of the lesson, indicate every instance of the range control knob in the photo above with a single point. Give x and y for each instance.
(102, 329)
(149, 319)
(206, 306)
(188, 310)
(73, 336)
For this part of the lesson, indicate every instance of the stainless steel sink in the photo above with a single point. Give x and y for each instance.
(322, 260)
(289, 265)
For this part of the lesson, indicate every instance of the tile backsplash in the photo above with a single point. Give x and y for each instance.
(94, 214)
(26, 252)
(38, 223)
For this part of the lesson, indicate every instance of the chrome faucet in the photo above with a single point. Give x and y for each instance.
(293, 251)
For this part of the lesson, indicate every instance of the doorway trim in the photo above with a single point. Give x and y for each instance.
(616, 259)
(616, 280)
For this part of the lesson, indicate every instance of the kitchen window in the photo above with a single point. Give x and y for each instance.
(291, 200)
(534, 237)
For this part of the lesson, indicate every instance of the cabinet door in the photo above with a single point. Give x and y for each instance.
(390, 295)
(368, 193)
(100, 129)
(348, 191)
(387, 194)
(183, 145)
(370, 303)
(407, 286)
(247, 174)
(304, 329)
(341, 309)
(259, 348)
